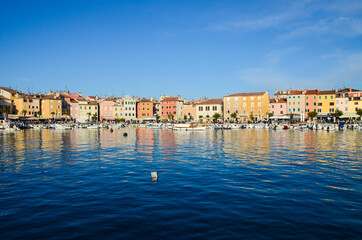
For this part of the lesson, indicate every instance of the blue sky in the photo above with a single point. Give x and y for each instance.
(191, 48)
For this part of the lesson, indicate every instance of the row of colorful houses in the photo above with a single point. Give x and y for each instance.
(238, 106)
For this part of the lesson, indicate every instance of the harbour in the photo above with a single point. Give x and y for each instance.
(250, 183)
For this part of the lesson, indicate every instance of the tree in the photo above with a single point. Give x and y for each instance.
(312, 114)
(170, 117)
(66, 111)
(359, 112)
(89, 116)
(157, 117)
(122, 119)
(269, 114)
(251, 117)
(52, 113)
(216, 116)
(234, 115)
(200, 117)
(35, 114)
(24, 112)
(337, 114)
(291, 117)
(95, 117)
(185, 117)
(6, 111)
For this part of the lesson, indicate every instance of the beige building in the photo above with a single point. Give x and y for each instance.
(246, 106)
(87, 110)
(206, 110)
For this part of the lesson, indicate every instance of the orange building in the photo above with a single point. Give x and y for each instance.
(145, 109)
(51, 106)
(246, 106)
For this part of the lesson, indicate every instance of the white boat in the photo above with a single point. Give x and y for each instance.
(62, 127)
(93, 127)
(192, 126)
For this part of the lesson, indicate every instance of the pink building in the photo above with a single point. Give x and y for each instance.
(106, 110)
(311, 101)
(278, 106)
(74, 109)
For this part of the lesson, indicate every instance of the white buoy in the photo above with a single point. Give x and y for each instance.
(154, 176)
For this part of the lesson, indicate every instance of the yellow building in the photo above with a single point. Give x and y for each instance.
(51, 106)
(246, 105)
(326, 102)
(30, 104)
(354, 103)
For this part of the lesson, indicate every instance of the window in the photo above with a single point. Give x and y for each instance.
(252, 104)
(148, 108)
(320, 97)
(95, 108)
(116, 114)
(228, 111)
(307, 97)
(207, 108)
(236, 98)
(307, 104)
(252, 111)
(325, 97)
(51, 106)
(227, 105)
(259, 111)
(244, 104)
(281, 112)
(244, 111)
(331, 104)
(51, 101)
(259, 98)
(290, 110)
(89, 107)
(201, 108)
(319, 104)
(227, 99)
(319, 110)
(244, 98)
(331, 97)
(272, 106)
(259, 104)
(298, 109)
(293, 109)
(236, 105)
(337, 102)
(115, 109)
(289, 96)
(346, 109)
(214, 108)
(331, 110)
(58, 101)
(252, 98)
(281, 106)
(315, 104)
(355, 103)
(236, 111)
(315, 97)
(293, 96)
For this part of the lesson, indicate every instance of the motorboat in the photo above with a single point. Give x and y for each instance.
(192, 126)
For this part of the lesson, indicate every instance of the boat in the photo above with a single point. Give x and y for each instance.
(192, 126)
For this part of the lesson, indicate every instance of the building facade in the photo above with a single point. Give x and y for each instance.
(278, 106)
(206, 110)
(247, 106)
(51, 106)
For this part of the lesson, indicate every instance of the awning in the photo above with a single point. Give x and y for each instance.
(349, 115)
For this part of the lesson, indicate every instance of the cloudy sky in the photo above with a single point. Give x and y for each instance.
(192, 48)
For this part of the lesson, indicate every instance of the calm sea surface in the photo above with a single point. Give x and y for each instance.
(236, 184)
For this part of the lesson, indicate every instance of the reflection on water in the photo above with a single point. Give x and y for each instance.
(212, 184)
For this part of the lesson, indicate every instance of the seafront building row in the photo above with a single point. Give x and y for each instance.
(255, 106)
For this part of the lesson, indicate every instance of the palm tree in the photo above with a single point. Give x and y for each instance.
(185, 117)
(24, 112)
(251, 117)
(216, 116)
(157, 117)
(200, 117)
(337, 114)
(95, 117)
(52, 113)
(89, 115)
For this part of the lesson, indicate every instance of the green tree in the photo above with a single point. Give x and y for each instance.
(200, 117)
(185, 117)
(337, 114)
(6, 111)
(251, 117)
(170, 117)
(157, 117)
(24, 112)
(312, 114)
(95, 117)
(52, 113)
(89, 116)
(234, 115)
(359, 112)
(122, 119)
(291, 117)
(216, 116)
(66, 112)
(270, 114)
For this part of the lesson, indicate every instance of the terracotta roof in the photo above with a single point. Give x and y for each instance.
(145, 100)
(348, 90)
(211, 101)
(295, 92)
(80, 99)
(327, 92)
(246, 94)
(92, 103)
(170, 99)
(49, 97)
(12, 91)
(311, 92)
(279, 100)
(73, 101)
(4, 98)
